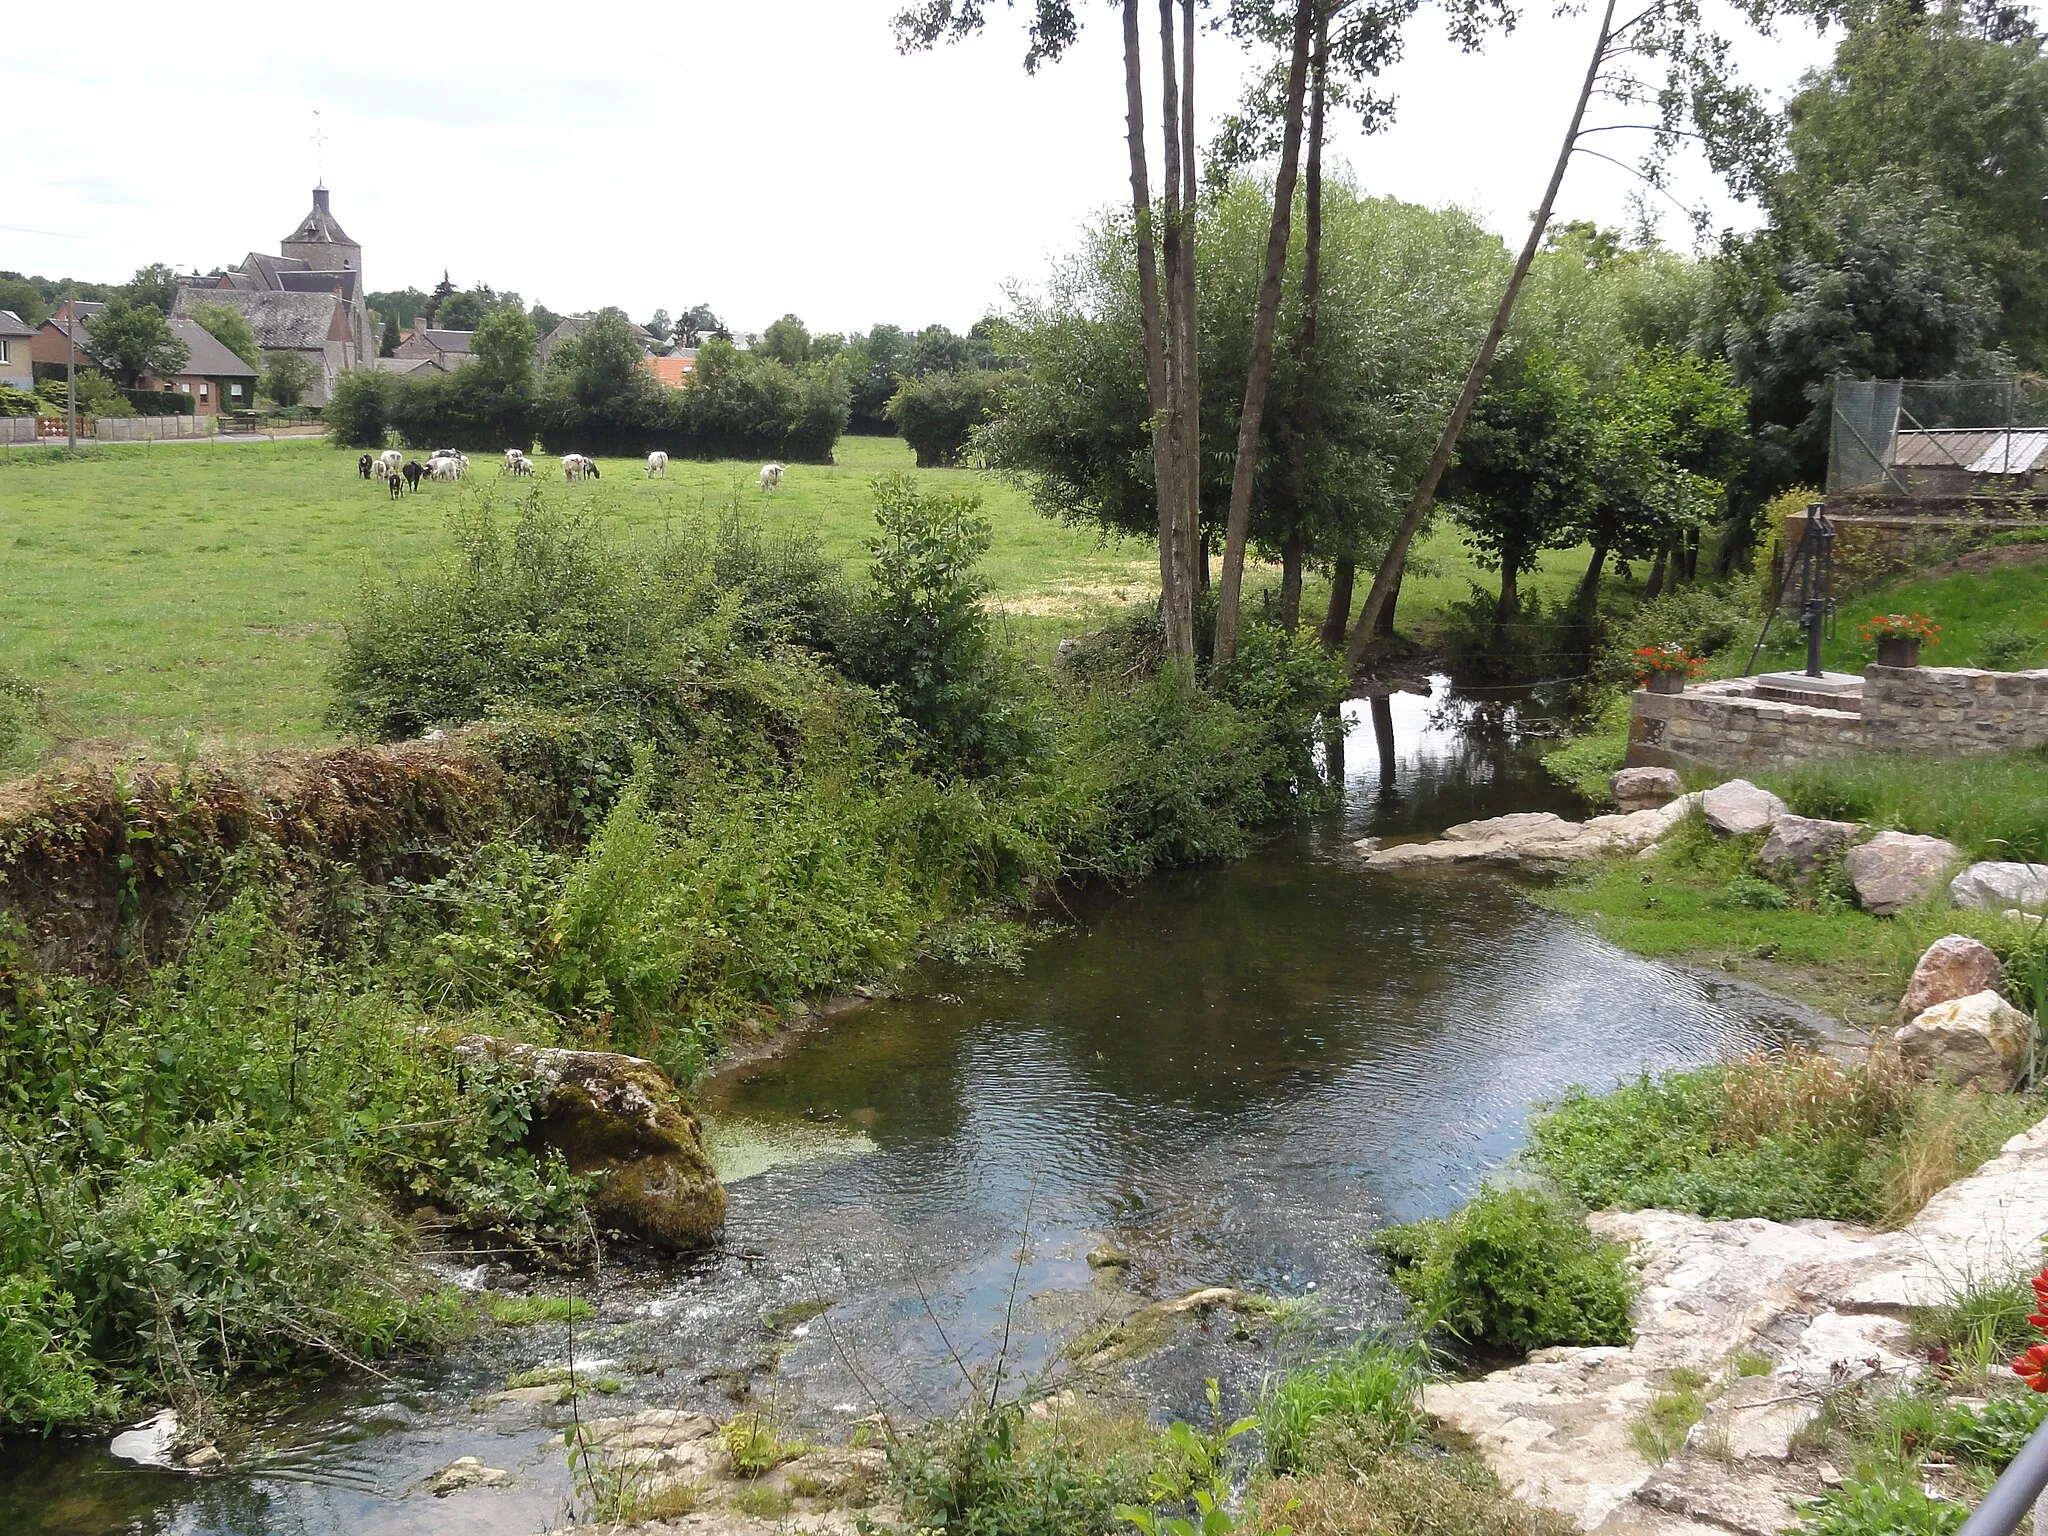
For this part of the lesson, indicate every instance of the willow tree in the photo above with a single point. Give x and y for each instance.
(1698, 99)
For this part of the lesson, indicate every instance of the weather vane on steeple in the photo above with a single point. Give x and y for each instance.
(319, 150)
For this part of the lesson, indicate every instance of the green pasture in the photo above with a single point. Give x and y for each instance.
(181, 597)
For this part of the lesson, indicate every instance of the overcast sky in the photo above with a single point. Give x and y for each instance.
(770, 156)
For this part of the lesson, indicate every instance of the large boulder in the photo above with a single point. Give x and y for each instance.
(1997, 885)
(1798, 843)
(1895, 869)
(1645, 789)
(1976, 1039)
(1953, 967)
(621, 1118)
(1739, 807)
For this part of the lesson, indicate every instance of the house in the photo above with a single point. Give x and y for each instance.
(445, 350)
(675, 368)
(574, 326)
(17, 339)
(214, 377)
(309, 298)
(404, 366)
(57, 336)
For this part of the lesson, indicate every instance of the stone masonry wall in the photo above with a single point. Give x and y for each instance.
(1953, 710)
(1937, 711)
(1725, 726)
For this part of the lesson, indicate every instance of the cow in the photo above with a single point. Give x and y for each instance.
(657, 464)
(381, 470)
(397, 484)
(414, 474)
(513, 456)
(391, 458)
(576, 466)
(449, 468)
(518, 467)
(771, 477)
(363, 466)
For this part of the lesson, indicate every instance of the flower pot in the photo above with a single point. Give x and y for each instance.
(1667, 682)
(1898, 650)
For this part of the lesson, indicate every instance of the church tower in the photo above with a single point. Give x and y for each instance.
(322, 244)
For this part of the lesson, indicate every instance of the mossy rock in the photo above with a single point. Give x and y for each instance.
(621, 1117)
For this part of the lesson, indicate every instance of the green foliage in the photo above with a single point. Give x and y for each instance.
(1660, 1431)
(920, 635)
(1515, 1269)
(228, 326)
(1893, 1506)
(46, 1377)
(1783, 1137)
(526, 1311)
(1586, 763)
(1375, 1384)
(19, 402)
(287, 376)
(993, 1473)
(487, 403)
(97, 394)
(132, 339)
(359, 411)
(938, 413)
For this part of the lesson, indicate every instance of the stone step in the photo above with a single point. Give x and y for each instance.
(1831, 690)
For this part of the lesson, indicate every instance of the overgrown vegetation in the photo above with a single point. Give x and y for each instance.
(1515, 1269)
(1785, 1136)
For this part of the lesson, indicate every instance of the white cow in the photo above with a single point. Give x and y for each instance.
(390, 458)
(657, 464)
(449, 468)
(576, 466)
(382, 470)
(513, 456)
(771, 477)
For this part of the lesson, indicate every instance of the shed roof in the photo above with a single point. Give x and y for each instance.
(1977, 450)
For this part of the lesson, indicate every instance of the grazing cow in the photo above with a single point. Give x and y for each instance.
(519, 467)
(576, 466)
(397, 484)
(449, 468)
(513, 456)
(414, 474)
(657, 464)
(391, 458)
(381, 470)
(771, 477)
(363, 466)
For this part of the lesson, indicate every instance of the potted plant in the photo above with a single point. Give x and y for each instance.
(1899, 637)
(1665, 668)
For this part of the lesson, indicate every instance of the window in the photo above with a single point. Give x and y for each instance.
(185, 389)
(235, 390)
(4, 345)
(202, 391)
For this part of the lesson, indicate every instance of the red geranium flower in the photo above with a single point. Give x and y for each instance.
(2032, 1367)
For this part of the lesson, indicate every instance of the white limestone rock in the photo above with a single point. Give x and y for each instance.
(1738, 808)
(1895, 869)
(1999, 885)
(1798, 843)
(1978, 1039)
(1645, 789)
(1953, 966)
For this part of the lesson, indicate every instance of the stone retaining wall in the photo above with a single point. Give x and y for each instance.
(1953, 710)
(1940, 711)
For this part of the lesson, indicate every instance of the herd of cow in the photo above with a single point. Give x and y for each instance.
(403, 474)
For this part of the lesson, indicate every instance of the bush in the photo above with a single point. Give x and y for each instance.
(937, 414)
(1887, 1506)
(1374, 1386)
(1705, 620)
(160, 402)
(46, 1379)
(1786, 1137)
(1516, 1270)
(992, 1472)
(20, 402)
(359, 411)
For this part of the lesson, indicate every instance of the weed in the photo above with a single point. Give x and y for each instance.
(1514, 1269)
(1661, 1429)
(526, 1311)
(1982, 1324)
(1880, 1507)
(1395, 1490)
(764, 1501)
(795, 1313)
(1377, 1381)
(753, 1445)
(1747, 1362)
(1755, 894)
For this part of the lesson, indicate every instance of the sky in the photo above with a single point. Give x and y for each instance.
(769, 157)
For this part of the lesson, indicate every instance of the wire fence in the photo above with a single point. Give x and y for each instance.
(1919, 436)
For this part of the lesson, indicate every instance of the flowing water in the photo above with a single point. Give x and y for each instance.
(1233, 1075)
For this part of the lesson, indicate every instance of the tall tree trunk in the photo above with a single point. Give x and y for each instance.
(1385, 623)
(1333, 745)
(1510, 594)
(1264, 322)
(1337, 617)
(1383, 738)
(1305, 339)
(1655, 585)
(1585, 602)
(1447, 444)
(1193, 539)
(1176, 611)
(1290, 579)
(1692, 556)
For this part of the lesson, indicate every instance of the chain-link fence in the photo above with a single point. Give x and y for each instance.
(1937, 436)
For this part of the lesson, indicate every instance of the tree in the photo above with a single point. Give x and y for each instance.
(360, 408)
(443, 290)
(21, 296)
(287, 376)
(229, 327)
(697, 324)
(131, 338)
(544, 319)
(938, 413)
(502, 351)
(155, 285)
(1522, 478)
(389, 344)
(1954, 101)
(403, 305)
(787, 341)
(658, 326)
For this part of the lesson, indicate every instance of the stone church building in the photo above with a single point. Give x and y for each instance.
(310, 297)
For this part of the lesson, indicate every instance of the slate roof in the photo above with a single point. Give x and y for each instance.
(282, 321)
(403, 364)
(318, 227)
(209, 357)
(449, 341)
(12, 324)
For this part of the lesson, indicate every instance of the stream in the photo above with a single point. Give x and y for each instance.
(1232, 1074)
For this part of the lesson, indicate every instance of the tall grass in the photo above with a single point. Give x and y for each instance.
(1377, 1383)
(1991, 807)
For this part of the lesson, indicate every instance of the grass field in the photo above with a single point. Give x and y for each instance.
(190, 597)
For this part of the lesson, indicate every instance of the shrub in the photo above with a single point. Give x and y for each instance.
(1705, 621)
(1374, 1385)
(1884, 1506)
(20, 402)
(160, 402)
(937, 413)
(46, 1379)
(358, 413)
(1514, 1269)
(992, 1472)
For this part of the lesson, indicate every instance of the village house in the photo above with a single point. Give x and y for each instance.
(574, 326)
(17, 340)
(214, 377)
(444, 350)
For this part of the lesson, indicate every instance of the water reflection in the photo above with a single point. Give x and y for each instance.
(1235, 1073)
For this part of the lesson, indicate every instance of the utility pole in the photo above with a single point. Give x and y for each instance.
(71, 377)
